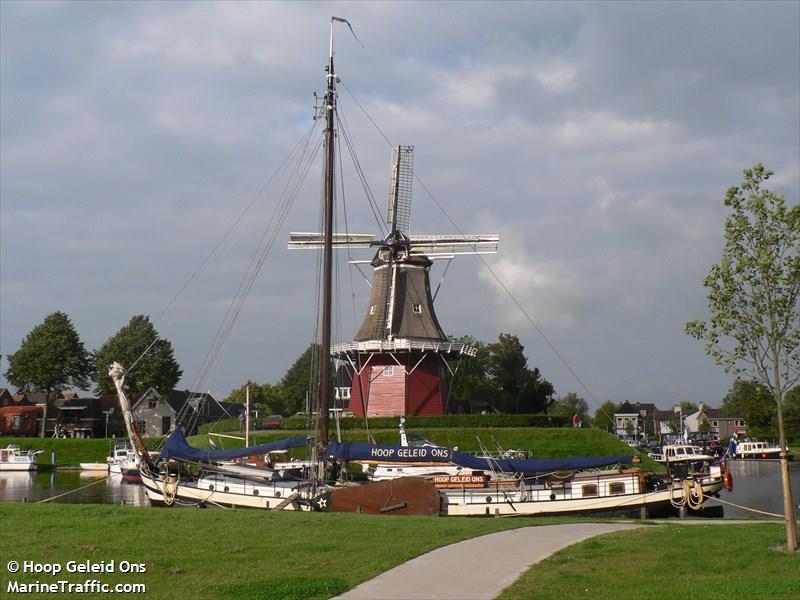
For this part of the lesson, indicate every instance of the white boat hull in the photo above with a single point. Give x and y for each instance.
(243, 494)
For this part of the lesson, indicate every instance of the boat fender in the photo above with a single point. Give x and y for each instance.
(728, 479)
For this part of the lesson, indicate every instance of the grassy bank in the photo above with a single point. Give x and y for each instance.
(216, 554)
(698, 561)
(193, 553)
(69, 452)
(542, 442)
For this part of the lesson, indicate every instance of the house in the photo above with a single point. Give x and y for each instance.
(19, 417)
(719, 425)
(632, 422)
(155, 415)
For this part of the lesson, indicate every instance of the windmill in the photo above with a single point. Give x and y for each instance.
(399, 354)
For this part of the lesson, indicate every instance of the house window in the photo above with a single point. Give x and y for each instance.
(372, 309)
(715, 423)
(616, 488)
(151, 404)
(345, 393)
(16, 422)
(590, 489)
(619, 420)
(165, 424)
(140, 427)
(417, 308)
(388, 370)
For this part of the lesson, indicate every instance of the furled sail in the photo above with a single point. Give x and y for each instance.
(372, 452)
(177, 447)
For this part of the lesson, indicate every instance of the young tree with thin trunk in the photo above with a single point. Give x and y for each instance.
(753, 291)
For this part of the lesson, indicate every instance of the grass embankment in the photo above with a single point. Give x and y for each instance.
(245, 555)
(69, 452)
(544, 442)
(697, 561)
(193, 553)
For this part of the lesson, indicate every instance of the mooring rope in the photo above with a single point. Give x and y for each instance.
(755, 510)
(72, 491)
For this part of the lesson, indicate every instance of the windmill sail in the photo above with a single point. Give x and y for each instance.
(398, 216)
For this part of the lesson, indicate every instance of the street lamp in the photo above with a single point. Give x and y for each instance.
(108, 413)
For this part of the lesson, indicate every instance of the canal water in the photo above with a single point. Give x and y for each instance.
(97, 487)
(756, 484)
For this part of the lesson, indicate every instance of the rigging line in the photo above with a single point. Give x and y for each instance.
(248, 281)
(513, 298)
(483, 261)
(347, 232)
(300, 143)
(342, 122)
(288, 197)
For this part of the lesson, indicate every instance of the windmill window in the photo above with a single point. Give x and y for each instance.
(417, 308)
(372, 309)
(388, 370)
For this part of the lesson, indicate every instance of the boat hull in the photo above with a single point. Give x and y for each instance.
(401, 496)
(268, 496)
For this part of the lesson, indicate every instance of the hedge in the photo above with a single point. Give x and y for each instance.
(470, 421)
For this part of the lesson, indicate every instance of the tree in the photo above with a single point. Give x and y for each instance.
(791, 414)
(519, 389)
(50, 358)
(471, 383)
(753, 401)
(604, 416)
(571, 404)
(754, 326)
(265, 396)
(298, 380)
(146, 355)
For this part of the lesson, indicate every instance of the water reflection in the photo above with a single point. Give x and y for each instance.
(757, 484)
(35, 486)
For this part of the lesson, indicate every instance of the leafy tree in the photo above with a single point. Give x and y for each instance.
(50, 358)
(147, 356)
(519, 389)
(753, 300)
(753, 401)
(298, 380)
(571, 404)
(604, 416)
(791, 414)
(265, 397)
(471, 382)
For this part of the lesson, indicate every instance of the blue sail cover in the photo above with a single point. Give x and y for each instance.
(364, 451)
(178, 447)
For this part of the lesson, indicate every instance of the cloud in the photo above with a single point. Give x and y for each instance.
(598, 139)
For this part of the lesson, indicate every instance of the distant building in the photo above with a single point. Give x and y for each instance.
(155, 415)
(632, 422)
(18, 416)
(719, 425)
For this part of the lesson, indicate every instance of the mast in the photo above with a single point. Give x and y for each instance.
(327, 253)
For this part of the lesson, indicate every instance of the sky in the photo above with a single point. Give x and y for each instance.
(597, 139)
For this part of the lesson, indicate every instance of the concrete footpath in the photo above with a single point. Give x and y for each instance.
(478, 568)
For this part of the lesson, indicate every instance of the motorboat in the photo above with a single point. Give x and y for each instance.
(12, 458)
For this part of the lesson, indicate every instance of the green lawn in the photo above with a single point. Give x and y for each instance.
(224, 554)
(212, 553)
(672, 561)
